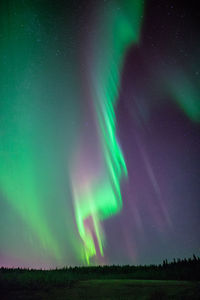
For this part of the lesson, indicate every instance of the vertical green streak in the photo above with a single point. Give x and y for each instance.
(19, 180)
(117, 28)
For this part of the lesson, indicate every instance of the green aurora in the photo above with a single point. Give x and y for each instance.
(101, 197)
(42, 148)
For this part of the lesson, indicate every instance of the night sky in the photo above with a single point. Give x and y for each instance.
(99, 132)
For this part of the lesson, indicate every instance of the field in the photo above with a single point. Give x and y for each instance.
(110, 289)
(176, 280)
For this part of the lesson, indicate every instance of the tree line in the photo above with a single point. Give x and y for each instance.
(178, 269)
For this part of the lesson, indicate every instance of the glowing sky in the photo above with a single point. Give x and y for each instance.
(99, 132)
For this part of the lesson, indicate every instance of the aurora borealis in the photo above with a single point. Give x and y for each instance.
(98, 196)
(99, 132)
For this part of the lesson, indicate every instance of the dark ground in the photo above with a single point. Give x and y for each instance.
(113, 289)
(179, 280)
